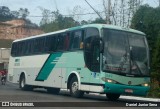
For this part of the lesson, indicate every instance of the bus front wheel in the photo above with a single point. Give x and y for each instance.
(74, 91)
(112, 96)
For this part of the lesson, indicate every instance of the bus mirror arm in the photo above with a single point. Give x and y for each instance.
(130, 53)
(101, 45)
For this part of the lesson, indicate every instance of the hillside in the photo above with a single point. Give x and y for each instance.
(15, 29)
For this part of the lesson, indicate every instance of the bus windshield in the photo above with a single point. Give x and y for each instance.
(125, 53)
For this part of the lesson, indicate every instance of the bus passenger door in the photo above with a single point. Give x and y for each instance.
(95, 64)
(92, 56)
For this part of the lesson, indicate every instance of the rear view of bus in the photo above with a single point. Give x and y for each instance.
(125, 63)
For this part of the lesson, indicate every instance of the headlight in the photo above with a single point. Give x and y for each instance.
(145, 84)
(108, 80)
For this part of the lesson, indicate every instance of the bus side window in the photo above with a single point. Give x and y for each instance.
(91, 32)
(42, 45)
(27, 47)
(35, 46)
(14, 49)
(66, 41)
(24, 48)
(31, 47)
(54, 43)
(76, 39)
(60, 46)
(50, 43)
(20, 51)
(47, 44)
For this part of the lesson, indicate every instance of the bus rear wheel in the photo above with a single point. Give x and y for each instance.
(53, 90)
(74, 91)
(22, 84)
(112, 96)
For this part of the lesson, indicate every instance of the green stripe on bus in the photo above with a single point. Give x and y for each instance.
(48, 67)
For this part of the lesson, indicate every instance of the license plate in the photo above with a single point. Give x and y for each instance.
(129, 90)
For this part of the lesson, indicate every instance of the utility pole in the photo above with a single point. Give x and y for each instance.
(114, 12)
(109, 12)
(122, 13)
(159, 3)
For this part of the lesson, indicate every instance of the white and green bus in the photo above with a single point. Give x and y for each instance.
(96, 58)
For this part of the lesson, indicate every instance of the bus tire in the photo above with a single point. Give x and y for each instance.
(74, 88)
(22, 84)
(53, 90)
(112, 96)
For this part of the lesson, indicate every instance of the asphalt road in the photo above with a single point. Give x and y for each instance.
(40, 98)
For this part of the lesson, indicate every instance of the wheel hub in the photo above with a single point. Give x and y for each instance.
(22, 83)
(74, 87)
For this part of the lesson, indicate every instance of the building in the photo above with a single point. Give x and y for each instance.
(4, 58)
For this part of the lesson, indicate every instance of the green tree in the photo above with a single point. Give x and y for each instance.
(46, 16)
(15, 14)
(6, 14)
(156, 59)
(84, 22)
(147, 19)
(59, 22)
(98, 20)
(23, 13)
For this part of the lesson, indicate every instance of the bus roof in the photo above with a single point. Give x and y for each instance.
(114, 27)
(99, 26)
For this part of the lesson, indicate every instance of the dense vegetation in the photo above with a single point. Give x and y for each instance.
(147, 19)
(6, 14)
(62, 22)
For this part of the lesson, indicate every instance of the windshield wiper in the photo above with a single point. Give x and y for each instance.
(123, 62)
(137, 68)
(132, 63)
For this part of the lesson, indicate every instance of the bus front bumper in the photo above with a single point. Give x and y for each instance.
(126, 89)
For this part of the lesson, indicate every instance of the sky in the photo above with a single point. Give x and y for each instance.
(64, 6)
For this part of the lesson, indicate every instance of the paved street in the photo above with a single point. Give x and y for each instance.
(11, 93)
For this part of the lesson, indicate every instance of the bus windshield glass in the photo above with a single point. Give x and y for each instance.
(125, 53)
